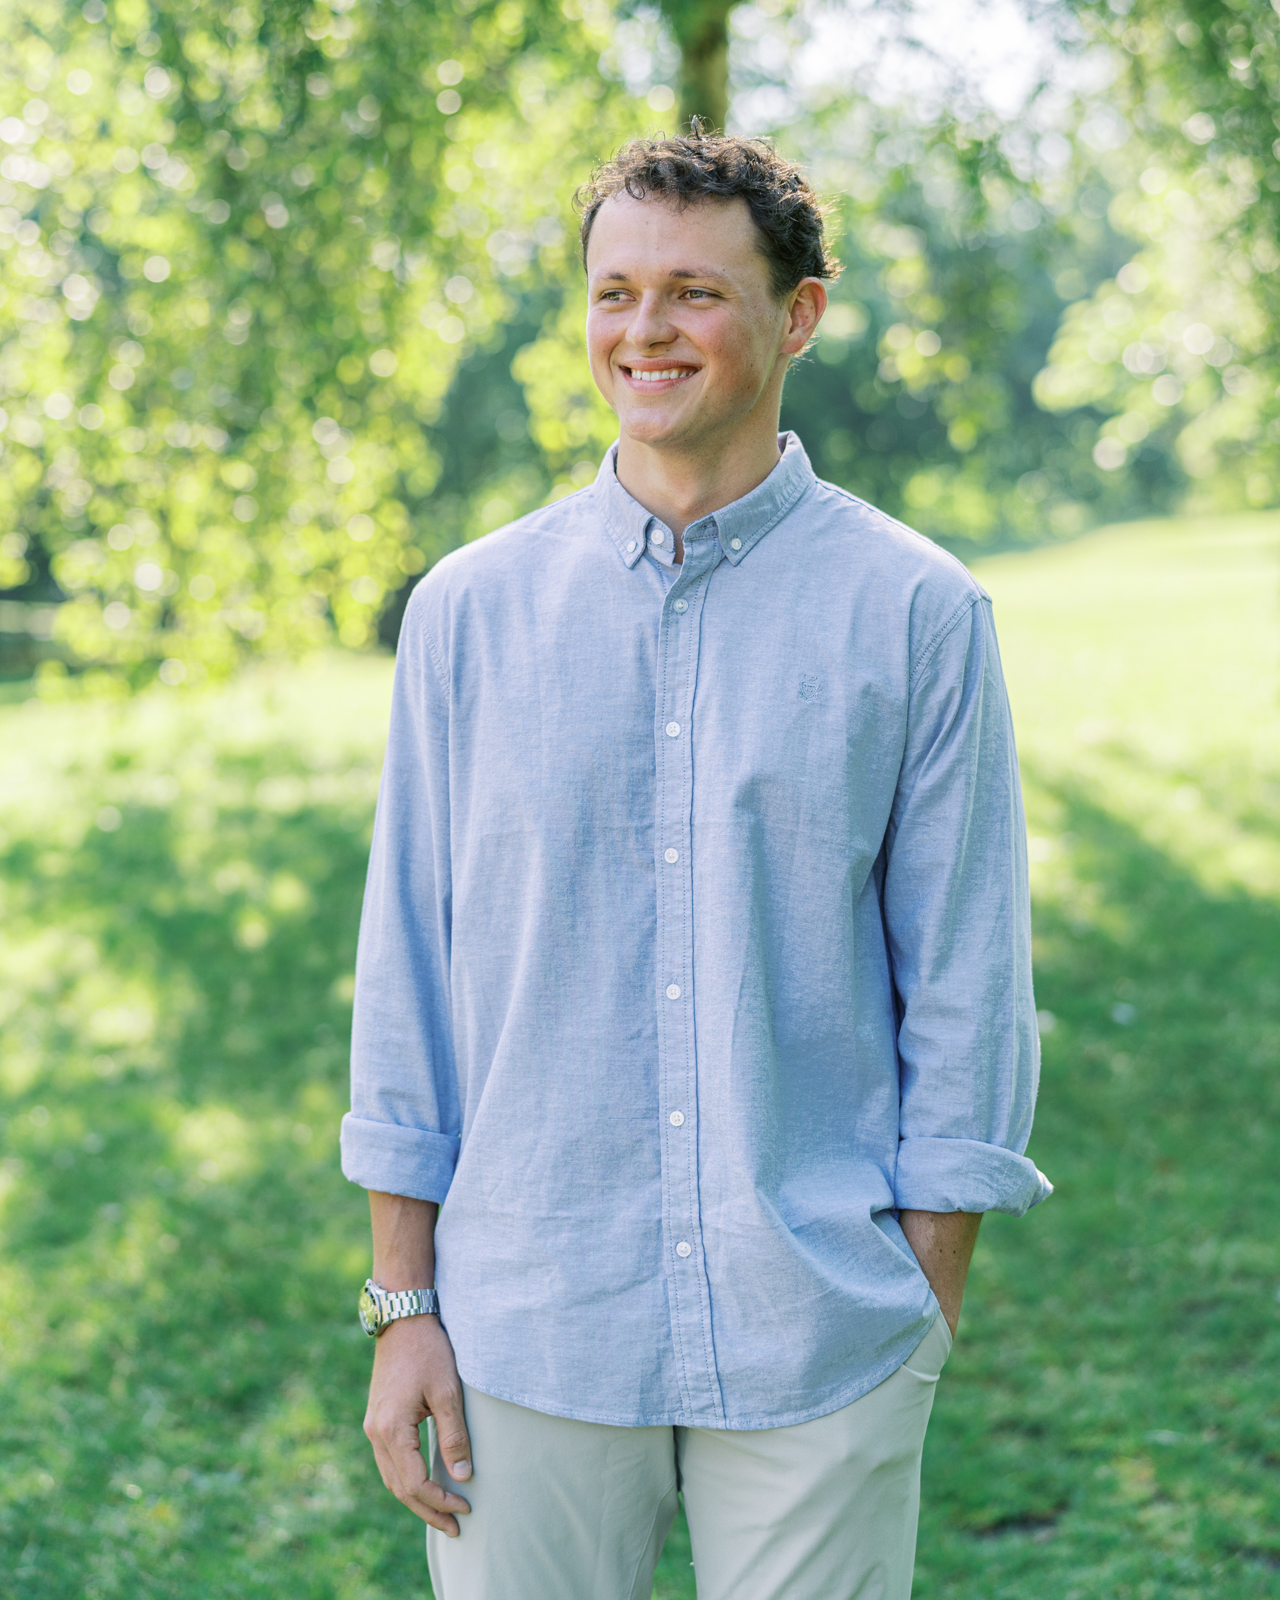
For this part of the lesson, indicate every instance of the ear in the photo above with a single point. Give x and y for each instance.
(806, 303)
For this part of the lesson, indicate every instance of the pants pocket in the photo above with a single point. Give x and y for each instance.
(929, 1357)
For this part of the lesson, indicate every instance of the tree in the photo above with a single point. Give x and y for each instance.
(291, 306)
(1178, 349)
(244, 257)
(701, 30)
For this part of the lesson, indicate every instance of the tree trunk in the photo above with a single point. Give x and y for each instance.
(701, 29)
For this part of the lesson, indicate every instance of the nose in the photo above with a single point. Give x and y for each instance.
(651, 325)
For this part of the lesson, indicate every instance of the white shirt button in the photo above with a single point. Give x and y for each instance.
(673, 730)
(671, 857)
(659, 537)
(735, 544)
(673, 991)
(684, 1248)
(631, 547)
(676, 1119)
(681, 606)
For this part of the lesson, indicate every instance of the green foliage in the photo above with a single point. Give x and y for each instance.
(963, 243)
(1181, 352)
(181, 1385)
(567, 416)
(289, 304)
(245, 251)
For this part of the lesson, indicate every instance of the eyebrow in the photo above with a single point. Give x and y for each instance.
(676, 272)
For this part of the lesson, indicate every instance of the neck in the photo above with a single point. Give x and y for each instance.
(679, 485)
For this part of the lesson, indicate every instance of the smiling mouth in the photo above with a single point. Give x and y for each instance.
(642, 378)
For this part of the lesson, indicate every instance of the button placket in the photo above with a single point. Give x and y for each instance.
(688, 1291)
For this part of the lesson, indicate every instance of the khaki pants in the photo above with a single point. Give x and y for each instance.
(564, 1510)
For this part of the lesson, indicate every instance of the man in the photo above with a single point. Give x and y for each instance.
(694, 971)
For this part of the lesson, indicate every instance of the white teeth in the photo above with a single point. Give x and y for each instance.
(658, 377)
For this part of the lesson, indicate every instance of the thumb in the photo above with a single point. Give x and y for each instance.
(451, 1435)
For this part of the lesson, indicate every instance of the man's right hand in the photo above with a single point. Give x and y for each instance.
(415, 1376)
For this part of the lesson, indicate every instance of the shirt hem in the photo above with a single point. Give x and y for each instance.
(836, 1401)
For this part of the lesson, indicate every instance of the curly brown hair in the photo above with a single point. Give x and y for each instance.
(788, 215)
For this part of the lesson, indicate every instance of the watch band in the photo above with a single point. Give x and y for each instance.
(409, 1303)
(379, 1306)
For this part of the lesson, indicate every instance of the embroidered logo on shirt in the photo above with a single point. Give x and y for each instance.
(810, 687)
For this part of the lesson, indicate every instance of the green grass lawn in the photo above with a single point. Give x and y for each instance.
(181, 1377)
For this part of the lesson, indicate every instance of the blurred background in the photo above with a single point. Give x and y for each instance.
(289, 307)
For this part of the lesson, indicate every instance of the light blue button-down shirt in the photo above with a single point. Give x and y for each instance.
(695, 945)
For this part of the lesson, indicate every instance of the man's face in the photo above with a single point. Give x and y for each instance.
(685, 335)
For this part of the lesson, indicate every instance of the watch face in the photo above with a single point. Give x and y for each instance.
(370, 1314)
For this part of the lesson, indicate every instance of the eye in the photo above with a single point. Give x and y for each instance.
(699, 294)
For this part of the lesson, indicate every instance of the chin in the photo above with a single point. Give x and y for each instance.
(653, 430)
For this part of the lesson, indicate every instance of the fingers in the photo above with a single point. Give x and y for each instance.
(415, 1376)
(404, 1472)
(451, 1433)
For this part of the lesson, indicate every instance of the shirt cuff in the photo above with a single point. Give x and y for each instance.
(398, 1160)
(966, 1175)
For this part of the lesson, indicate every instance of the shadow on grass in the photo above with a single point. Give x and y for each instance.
(1108, 1424)
(186, 1395)
(183, 1389)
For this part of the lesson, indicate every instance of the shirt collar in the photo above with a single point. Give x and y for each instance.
(739, 526)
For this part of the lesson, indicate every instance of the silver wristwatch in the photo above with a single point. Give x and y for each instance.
(379, 1306)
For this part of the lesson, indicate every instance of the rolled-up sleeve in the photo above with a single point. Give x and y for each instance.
(401, 1135)
(958, 918)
